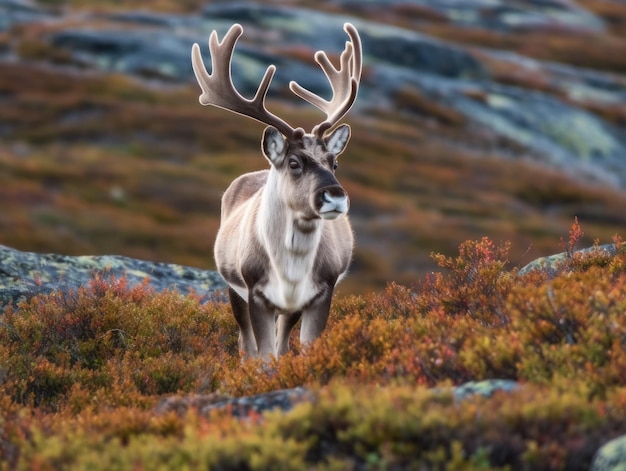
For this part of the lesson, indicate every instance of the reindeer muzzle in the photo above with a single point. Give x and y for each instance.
(331, 202)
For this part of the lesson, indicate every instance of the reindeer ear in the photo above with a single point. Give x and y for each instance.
(336, 142)
(273, 145)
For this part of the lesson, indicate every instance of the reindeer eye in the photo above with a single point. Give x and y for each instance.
(294, 164)
(335, 165)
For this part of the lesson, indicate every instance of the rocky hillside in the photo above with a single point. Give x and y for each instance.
(474, 118)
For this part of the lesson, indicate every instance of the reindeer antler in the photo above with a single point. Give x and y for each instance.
(344, 82)
(218, 88)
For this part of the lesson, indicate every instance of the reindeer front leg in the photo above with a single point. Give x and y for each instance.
(315, 316)
(247, 343)
(284, 326)
(263, 322)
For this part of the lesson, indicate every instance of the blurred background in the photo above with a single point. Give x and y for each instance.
(504, 119)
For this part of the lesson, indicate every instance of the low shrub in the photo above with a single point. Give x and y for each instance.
(347, 427)
(83, 372)
(117, 342)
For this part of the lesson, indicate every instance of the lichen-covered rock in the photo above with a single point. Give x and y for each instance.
(611, 457)
(503, 15)
(284, 400)
(551, 263)
(484, 388)
(25, 274)
(14, 12)
(143, 53)
(550, 126)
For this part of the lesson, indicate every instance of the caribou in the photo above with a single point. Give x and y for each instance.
(284, 239)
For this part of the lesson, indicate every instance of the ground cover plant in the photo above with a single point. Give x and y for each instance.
(83, 374)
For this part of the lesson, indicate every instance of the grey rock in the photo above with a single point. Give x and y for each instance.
(551, 263)
(417, 52)
(611, 456)
(145, 53)
(285, 399)
(484, 388)
(383, 44)
(26, 274)
(574, 82)
(155, 55)
(546, 127)
(241, 407)
(559, 133)
(505, 15)
(553, 131)
(159, 20)
(501, 15)
(13, 12)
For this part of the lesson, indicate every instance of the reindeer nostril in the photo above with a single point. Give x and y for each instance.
(334, 192)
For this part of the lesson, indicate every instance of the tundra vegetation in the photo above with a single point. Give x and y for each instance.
(82, 374)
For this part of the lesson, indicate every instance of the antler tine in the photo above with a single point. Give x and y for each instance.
(344, 82)
(218, 88)
(358, 50)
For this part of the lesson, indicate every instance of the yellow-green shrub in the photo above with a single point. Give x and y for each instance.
(346, 426)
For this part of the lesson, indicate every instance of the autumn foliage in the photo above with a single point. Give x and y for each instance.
(82, 373)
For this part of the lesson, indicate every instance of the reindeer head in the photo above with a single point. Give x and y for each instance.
(302, 164)
(306, 172)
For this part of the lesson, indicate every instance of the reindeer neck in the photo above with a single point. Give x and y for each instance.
(284, 231)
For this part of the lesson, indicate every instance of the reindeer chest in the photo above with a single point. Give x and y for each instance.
(290, 254)
(289, 295)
